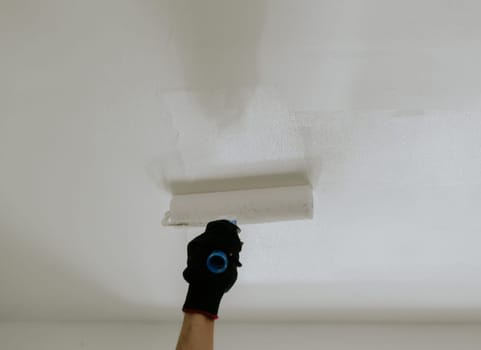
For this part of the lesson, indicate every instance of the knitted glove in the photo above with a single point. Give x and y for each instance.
(206, 288)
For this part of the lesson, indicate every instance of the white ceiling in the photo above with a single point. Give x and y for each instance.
(106, 106)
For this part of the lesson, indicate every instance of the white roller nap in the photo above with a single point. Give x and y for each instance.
(246, 206)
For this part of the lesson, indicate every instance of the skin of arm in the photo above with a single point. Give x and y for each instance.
(197, 333)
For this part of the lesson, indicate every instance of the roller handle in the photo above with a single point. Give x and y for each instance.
(217, 262)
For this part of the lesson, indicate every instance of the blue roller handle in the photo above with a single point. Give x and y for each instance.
(217, 262)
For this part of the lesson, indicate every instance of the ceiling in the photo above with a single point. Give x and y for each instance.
(106, 106)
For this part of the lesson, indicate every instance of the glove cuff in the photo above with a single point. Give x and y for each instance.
(203, 301)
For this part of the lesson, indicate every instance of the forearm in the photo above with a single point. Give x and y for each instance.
(197, 333)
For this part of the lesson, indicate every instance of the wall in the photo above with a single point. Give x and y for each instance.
(236, 336)
(106, 104)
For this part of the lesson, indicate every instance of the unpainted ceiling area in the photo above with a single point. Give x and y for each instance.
(108, 107)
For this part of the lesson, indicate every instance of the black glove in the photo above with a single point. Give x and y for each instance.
(206, 288)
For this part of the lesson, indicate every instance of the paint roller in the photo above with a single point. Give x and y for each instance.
(250, 206)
